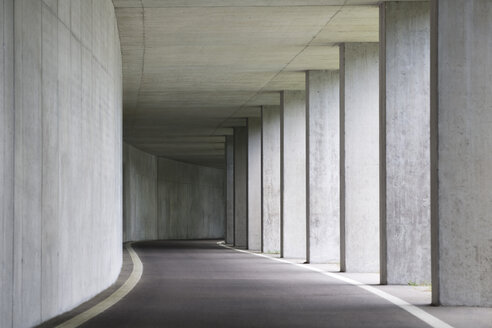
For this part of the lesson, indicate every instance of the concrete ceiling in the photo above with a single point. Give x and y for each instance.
(193, 69)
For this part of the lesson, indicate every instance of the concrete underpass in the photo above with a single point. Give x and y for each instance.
(233, 163)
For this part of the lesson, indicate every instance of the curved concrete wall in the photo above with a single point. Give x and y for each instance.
(6, 160)
(139, 194)
(166, 199)
(61, 214)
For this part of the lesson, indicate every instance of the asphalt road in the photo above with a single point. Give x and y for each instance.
(200, 284)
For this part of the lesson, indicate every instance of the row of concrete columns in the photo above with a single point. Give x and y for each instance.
(383, 164)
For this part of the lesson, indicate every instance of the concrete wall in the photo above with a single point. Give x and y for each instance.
(293, 173)
(63, 230)
(405, 165)
(254, 184)
(190, 200)
(229, 190)
(166, 199)
(461, 159)
(359, 91)
(140, 194)
(241, 187)
(270, 178)
(6, 160)
(323, 166)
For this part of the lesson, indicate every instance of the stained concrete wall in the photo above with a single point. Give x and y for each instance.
(461, 157)
(63, 230)
(241, 187)
(254, 184)
(140, 194)
(229, 190)
(6, 160)
(270, 178)
(167, 199)
(405, 165)
(293, 173)
(359, 91)
(323, 166)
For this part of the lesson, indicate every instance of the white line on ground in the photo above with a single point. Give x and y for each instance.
(410, 308)
(112, 299)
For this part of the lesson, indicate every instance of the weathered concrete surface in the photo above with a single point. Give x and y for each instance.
(139, 195)
(461, 159)
(254, 184)
(360, 106)
(270, 180)
(190, 201)
(6, 160)
(405, 102)
(293, 173)
(241, 187)
(229, 190)
(323, 166)
(65, 245)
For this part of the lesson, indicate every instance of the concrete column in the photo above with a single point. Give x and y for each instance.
(359, 93)
(405, 136)
(323, 166)
(254, 184)
(229, 190)
(461, 156)
(270, 178)
(241, 187)
(6, 159)
(293, 174)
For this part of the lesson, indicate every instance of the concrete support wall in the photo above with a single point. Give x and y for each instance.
(293, 173)
(166, 199)
(405, 154)
(61, 218)
(323, 166)
(241, 187)
(461, 157)
(359, 92)
(140, 194)
(190, 201)
(229, 190)
(254, 184)
(270, 179)
(6, 160)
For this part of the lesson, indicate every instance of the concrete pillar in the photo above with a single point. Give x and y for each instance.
(323, 166)
(461, 156)
(359, 93)
(229, 238)
(293, 174)
(254, 184)
(6, 159)
(241, 187)
(405, 136)
(270, 178)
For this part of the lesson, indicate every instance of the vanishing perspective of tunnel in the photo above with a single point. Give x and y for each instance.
(245, 163)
